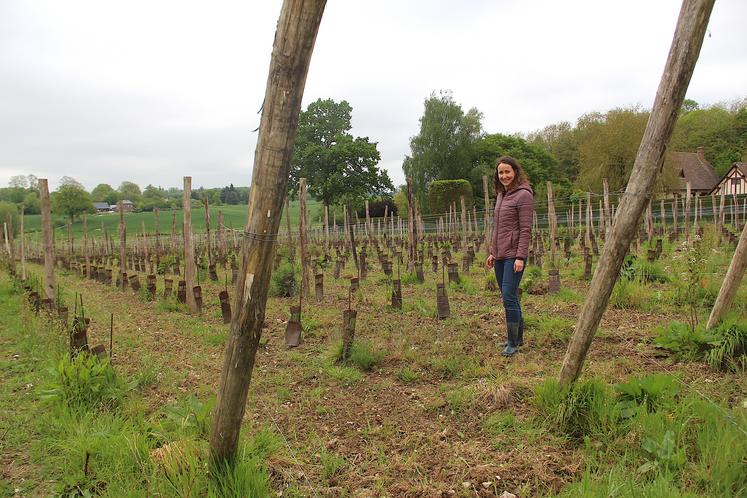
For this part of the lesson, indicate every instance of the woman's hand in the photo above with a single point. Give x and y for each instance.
(518, 265)
(489, 261)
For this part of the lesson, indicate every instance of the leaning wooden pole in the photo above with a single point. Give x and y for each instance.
(291, 54)
(48, 239)
(731, 281)
(122, 247)
(303, 240)
(683, 55)
(190, 269)
(22, 236)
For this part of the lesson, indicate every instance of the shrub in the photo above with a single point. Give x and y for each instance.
(191, 416)
(84, 383)
(460, 399)
(729, 351)
(531, 279)
(284, 280)
(627, 294)
(584, 409)
(499, 422)
(362, 355)
(376, 209)
(408, 375)
(10, 209)
(651, 392)
(683, 341)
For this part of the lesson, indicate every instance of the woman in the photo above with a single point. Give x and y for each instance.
(512, 232)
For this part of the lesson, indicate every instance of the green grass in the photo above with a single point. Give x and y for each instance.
(83, 427)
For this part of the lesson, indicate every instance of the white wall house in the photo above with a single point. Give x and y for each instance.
(734, 181)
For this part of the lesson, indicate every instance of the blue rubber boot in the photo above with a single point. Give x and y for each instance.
(513, 339)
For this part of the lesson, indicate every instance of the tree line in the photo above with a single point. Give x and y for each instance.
(452, 145)
(71, 199)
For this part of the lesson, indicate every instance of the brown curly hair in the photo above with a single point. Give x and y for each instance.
(520, 177)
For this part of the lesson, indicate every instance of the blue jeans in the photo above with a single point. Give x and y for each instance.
(509, 281)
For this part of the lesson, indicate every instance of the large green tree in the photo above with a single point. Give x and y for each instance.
(129, 191)
(154, 197)
(607, 146)
(338, 167)
(539, 165)
(9, 211)
(443, 149)
(71, 200)
(560, 141)
(720, 129)
(103, 192)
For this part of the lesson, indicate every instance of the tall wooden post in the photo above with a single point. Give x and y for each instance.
(411, 222)
(688, 38)
(48, 239)
(553, 222)
(731, 282)
(291, 247)
(10, 240)
(303, 241)
(464, 220)
(368, 223)
(122, 246)
(294, 42)
(607, 212)
(22, 236)
(207, 229)
(190, 269)
(353, 246)
(146, 253)
(326, 232)
(156, 230)
(688, 196)
(588, 219)
(86, 254)
(173, 231)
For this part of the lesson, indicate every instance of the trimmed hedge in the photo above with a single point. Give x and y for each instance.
(376, 209)
(441, 193)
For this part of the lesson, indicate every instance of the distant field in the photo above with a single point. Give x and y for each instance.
(233, 216)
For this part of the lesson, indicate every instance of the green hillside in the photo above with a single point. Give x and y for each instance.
(233, 216)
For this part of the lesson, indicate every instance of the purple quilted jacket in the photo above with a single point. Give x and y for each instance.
(512, 231)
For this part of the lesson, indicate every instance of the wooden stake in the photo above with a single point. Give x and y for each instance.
(688, 38)
(731, 282)
(190, 269)
(207, 229)
(294, 42)
(48, 239)
(305, 270)
(553, 222)
(23, 248)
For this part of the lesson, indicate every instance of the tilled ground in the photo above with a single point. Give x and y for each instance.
(388, 434)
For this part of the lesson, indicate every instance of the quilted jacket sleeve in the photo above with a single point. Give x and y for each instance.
(525, 200)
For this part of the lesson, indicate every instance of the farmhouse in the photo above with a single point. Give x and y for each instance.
(102, 207)
(127, 206)
(694, 168)
(734, 181)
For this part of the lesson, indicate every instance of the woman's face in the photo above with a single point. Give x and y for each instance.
(506, 174)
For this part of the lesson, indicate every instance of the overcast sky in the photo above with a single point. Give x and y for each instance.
(150, 91)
